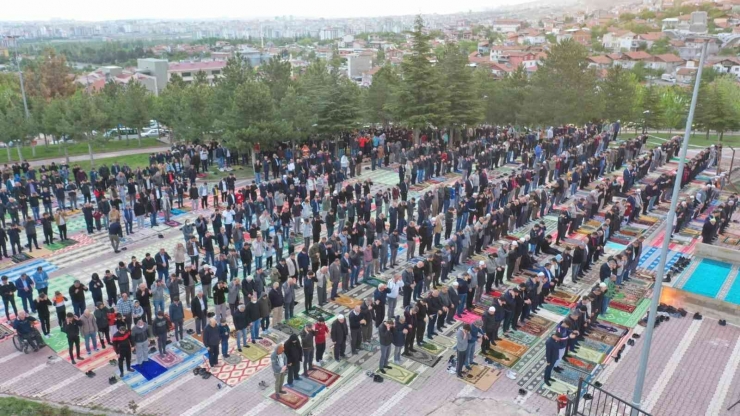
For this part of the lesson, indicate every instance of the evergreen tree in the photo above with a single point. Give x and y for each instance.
(378, 100)
(619, 91)
(465, 106)
(420, 99)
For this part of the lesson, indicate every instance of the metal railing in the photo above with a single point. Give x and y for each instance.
(592, 400)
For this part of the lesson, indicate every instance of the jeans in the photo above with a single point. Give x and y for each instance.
(385, 352)
(241, 338)
(289, 310)
(470, 355)
(158, 305)
(78, 307)
(255, 329)
(461, 306)
(88, 338)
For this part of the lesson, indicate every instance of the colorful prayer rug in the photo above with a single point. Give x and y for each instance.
(149, 369)
(235, 374)
(297, 323)
(190, 346)
(291, 398)
(501, 357)
(173, 357)
(511, 347)
(254, 353)
(307, 387)
(399, 374)
(522, 338)
(347, 301)
(323, 376)
(590, 355)
(432, 348)
(421, 356)
(581, 364)
(604, 337)
(91, 362)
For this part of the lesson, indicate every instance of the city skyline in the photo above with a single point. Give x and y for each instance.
(78, 10)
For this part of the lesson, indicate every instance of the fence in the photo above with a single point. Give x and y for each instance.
(592, 400)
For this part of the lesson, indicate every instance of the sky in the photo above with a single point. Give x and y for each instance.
(86, 10)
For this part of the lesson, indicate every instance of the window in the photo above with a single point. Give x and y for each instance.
(186, 74)
(216, 72)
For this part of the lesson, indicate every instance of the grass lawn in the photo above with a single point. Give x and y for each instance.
(142, 160)
(698, 139)
(20, 407)
(54, 151)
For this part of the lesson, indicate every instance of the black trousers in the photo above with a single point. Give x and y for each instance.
(73, 342)
(320, 348)
(10, 301)
(45, 324)
(104, 334)
(213, 354)
(125, 356)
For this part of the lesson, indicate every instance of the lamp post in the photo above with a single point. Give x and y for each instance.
(23, 90)
(645, 352)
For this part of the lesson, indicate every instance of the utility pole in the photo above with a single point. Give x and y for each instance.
(23, 91)
(645, 352)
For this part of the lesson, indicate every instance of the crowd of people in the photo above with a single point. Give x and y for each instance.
(312, 223)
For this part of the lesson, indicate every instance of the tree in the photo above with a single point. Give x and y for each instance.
(378, 100)
(252, 117)
(674, 104)
(652, 111)
(661, 46)
(83, 120)
(419, 99)
(49, 77)
(298, 112)
(168, 107)
(14, 127)
(564, 89)
(465, 106)
(380, 57)
(340, 109)
(716, 109)
(52, 121)
(276, 74)
(136, 106)
(618, 94)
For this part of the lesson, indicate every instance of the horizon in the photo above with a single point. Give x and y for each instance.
(50, 11)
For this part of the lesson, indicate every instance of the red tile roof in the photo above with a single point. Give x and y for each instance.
(637, 56)
(601, 60)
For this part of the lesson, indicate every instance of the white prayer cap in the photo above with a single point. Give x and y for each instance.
(491, 309)
(540, 274)
(481, 263)
(602, 284)
(455, 284)
(340, 316)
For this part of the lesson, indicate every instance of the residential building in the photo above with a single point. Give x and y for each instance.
(648, 39)
(599, 62)
(506, 25)
(685, 75)
(630, 59)
(619, 40)
(728, 65)
(359, 63)
(367, 76)
(188, 70)
(668, 62)
(483, 48)
(157, 68)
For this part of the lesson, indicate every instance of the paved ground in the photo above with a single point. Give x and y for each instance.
(692, 367)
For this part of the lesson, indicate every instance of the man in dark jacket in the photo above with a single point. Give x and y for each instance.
(339, 333)
(177, 316)
(199, 308)
(356, 321)
(294, 353)
(212, 340)
(72, 328)
(160, 328)
(307, 343)
(122, 344)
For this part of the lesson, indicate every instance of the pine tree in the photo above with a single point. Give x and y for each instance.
(619, 91)
(420, 99)
(465, 106)
(379, 98)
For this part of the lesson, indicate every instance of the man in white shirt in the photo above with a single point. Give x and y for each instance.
(394, 284)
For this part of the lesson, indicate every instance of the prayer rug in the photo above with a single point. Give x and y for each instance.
(142, 386)
(522, 338)
(287, 329)
(481, 376)
(21, 257)
(444, 341)
(316, 313)
(323, 376)
(511, 347)
(626, 319)
(568, 297)
(536, 326)
(347, 301)
(501, 357)
(604, 337)
(432, 347)
(622, 306)
(61, 244)
(292, 398)
(235, 374)
(57, 340)
(559, 387)
(569, 375)
(190, 346)
(297, 323)
(197, 337)
(590, 355)
(372, 282)
(581, 364)
(307, 387)
(559, 302)
(468, 317)
(557, 309)
(611, 328)
(421, 356)
(595, 345)
(149, 369)
(399, 374)
(90, 362)
(172, 357)
(254, 353)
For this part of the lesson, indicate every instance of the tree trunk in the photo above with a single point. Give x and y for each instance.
(90, 152)
(721, 135)
(9, 158)
(416, 136)
(66, 154)
(20, 155)
(33, 150)
(139, 137)
(707, 134)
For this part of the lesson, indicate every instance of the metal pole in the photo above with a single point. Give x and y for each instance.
(20, 73)
(645, 353)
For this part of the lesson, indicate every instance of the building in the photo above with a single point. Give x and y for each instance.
(506, 25)
(599, 62)
(157, 68)
(619, 40)
(728, 65)
(96, 80)
(630, 59)
(648, 39)
(188, 70)
(359, 63)
(685, 75)
(668, 62)
(367, 76)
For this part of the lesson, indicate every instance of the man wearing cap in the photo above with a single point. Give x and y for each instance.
(490, 328)
(454, 296)
(434, 310)
(463, 292)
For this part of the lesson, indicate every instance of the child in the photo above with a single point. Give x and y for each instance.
(320, 330)
(42, 307)
(97, 215)
(224, 331)
(269, 253)
(61, 308)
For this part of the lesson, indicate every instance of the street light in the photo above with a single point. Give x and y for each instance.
(20, 73)
(645, 353)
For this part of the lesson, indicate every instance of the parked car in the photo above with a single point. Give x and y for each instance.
(154, 133)
(122, 132)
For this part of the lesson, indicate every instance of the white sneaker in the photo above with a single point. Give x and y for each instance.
(47, 336)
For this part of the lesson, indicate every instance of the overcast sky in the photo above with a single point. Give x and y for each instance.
(86, 10)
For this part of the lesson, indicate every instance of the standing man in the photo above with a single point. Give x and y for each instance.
(279, 368)
(307, 342)
(140, 334)
(461, 346)
(339, 333)
(385, 336)
(395, 284)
